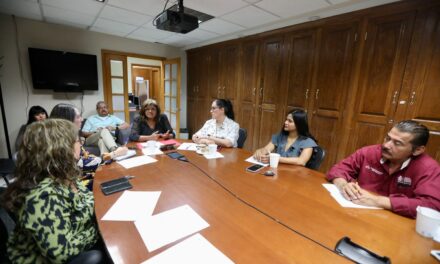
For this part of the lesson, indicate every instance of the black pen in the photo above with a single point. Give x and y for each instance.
(128, 177)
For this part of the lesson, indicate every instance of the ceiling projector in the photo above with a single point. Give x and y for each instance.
(176, 21)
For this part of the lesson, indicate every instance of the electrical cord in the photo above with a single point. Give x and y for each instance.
(259, 210)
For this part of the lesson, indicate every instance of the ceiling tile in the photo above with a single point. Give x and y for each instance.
(113, 25)
(289, 8)
(108, 31)
(60, 15)
(179, 40)
(148, 33)
(149, 7)
(214, 7)
(220, 26)
(338, 1)
(82, 6)
(250, 17)
(124, 16)
(21, 8)
(66, 23)
(202, 34)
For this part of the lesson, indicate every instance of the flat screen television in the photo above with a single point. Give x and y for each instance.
(63, 71)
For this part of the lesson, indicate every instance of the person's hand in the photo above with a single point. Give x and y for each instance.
(166, 135)
(155, 136)
(351, 191)
(262, 155)
(206, 141)
(366, 198)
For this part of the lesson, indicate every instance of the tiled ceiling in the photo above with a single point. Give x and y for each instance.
(134, 18)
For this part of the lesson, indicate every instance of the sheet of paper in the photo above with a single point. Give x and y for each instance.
(254, 161)
(336, 194)
(169, 226)
(132, 206)
(195, 249)
(216, 155)
(155, 151)
(188, 146)
(144, 144)
(136, 161)
(130, 153)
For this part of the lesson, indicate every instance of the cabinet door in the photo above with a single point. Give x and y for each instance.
(192, 75)
(202, 75)
(270, 90)
(381, 76)
(332, 80)
(424, 88)
(301, 58)
(214, 73)
(229, 62)
(247, 97)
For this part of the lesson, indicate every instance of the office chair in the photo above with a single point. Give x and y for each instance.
(7, 167)
(317, 157)
(242, 135)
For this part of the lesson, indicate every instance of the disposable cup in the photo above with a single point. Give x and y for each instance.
(274, 159)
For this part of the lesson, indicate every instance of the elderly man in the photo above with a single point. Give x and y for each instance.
(99, 131)
(396, 175)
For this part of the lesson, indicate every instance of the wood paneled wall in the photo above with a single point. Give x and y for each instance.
(355, 74)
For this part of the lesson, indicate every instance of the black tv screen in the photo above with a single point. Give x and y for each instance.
(63, 71)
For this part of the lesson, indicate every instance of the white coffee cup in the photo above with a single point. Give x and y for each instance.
(212, 148)
(428, 222)
(274, 158)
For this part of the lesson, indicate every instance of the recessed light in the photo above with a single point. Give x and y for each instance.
(101, 1)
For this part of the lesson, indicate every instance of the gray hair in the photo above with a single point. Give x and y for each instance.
(419, 131)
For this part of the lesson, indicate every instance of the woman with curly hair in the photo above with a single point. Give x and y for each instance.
(54, 212)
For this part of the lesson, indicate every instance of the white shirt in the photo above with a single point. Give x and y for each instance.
(227, 130)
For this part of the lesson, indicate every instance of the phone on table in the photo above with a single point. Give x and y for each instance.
(254, 168)
(436, 254)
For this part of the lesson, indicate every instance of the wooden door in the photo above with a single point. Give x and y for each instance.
(247, 98)
(422, 92)
(270, 114)
(214, 73)
(171, 92)
(229, 62)
(331, 84)
(302, 51)
(387, 41)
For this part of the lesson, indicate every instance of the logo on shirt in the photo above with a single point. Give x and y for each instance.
(404, 181)
(368, 167)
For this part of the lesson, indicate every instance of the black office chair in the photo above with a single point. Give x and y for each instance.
(7, 167)
(242, 135)
(317, 157)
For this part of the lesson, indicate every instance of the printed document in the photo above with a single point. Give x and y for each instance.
(254, 161)
(136, 161)
(132, 206)
(336, 194)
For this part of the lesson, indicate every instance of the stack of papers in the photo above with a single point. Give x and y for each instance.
(149, 151)
(216, 155)
(130, 153)
(336, 194)
(136, 161)
(188, 146)
(254, 161)
(132, 206)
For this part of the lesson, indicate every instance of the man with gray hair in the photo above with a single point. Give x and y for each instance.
(396, 175)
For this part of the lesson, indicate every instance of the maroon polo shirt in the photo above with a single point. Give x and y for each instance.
(416, 183)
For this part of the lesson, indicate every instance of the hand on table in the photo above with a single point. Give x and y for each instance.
(262, 155)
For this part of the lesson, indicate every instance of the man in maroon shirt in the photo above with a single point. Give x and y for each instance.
(396, 175)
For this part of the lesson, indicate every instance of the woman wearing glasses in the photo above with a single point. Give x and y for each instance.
(151, 124)
(294, 142)
(221, 129)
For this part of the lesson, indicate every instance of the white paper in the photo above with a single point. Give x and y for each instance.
(216, 155)
(188, 146)
(132, 206)
(136, 161)
(195, 250)
(167, 227)
(145, 144)
(254, 161)
(336, 194)
(130, 153)
(149, 151)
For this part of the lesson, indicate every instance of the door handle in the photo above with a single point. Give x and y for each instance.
(394, 98)
(316, 95)
(307, 94)
(412, 98)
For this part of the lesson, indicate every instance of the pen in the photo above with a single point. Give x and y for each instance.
(128, 177)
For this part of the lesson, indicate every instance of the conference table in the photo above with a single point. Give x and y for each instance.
(286, 218)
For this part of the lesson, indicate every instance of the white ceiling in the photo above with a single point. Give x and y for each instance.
(133, 18)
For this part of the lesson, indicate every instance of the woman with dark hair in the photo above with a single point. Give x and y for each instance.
(151, 124)
(294, 143)
(54, 211)
(36, 113)
(221, 129)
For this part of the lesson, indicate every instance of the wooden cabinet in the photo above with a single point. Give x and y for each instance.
(387, 41)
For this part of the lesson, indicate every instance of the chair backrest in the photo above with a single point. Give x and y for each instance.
(317, 157)
(7, 225)
(242, 135)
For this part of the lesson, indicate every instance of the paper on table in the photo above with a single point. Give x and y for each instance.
(195, 249)
(254, 161)
(216, 155)
(136, 161)
(164, 228)
(188, 146)
(132, 206)
(130, 153)
(336, 194)
(155, 151)
(145, 144)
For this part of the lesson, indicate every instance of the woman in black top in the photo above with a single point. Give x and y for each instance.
(151, 124)
(36, 113)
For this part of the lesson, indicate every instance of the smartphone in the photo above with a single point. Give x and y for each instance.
(436, 254)
(254, 168)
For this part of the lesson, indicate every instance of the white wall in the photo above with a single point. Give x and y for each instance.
(18, 94)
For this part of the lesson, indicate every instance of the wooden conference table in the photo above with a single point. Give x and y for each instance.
(288, 218)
